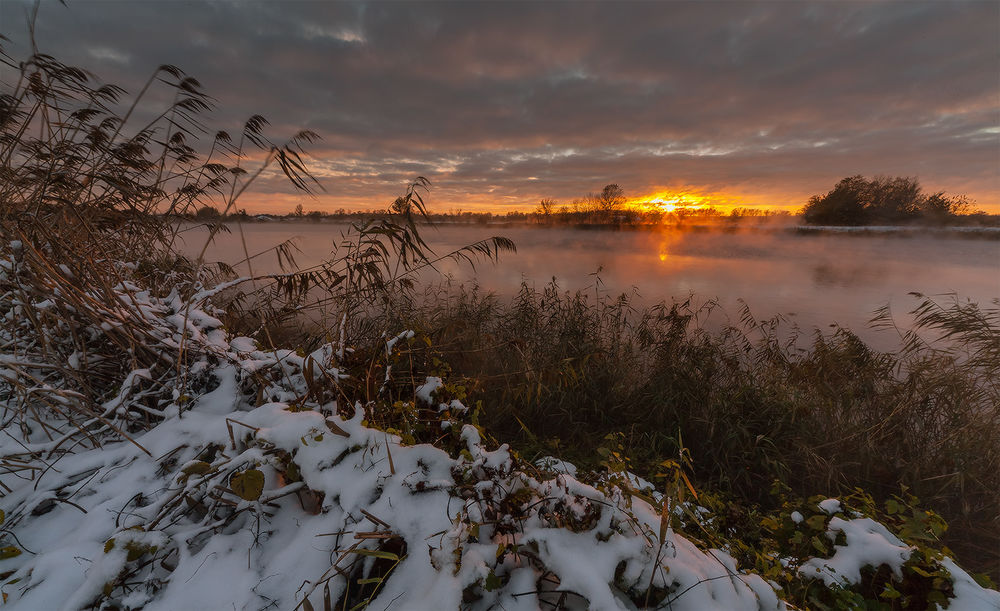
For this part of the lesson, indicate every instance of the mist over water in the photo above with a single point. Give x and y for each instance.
(814, 280)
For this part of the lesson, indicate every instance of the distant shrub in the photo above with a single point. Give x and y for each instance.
(208, 213)
(856, 200)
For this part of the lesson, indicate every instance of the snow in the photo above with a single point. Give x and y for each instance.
(969, 595)
(269, 555)
(556, 465)
(390, 344)
(425, 391)
(159, 510)
(868, 544)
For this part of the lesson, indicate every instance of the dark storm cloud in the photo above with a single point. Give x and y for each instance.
(507, 102)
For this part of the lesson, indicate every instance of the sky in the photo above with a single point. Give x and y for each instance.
(501, 104)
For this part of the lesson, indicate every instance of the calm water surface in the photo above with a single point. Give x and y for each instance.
(815, 280)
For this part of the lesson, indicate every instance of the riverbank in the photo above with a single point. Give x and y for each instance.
(165, 454)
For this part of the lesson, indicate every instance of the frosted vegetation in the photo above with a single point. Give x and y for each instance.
(169, 443)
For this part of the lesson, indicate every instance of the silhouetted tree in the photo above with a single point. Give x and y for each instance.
(546, 206)
(858, 201)
(939, 207)
(892, 200)
(208, 213)
(843, 205)
(612, 198)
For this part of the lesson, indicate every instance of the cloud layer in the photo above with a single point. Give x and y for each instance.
(500, 104)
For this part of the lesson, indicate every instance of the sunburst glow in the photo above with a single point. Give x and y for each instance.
(670, 201)
(685, 199)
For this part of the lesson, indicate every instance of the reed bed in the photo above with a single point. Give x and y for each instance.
(754, 401)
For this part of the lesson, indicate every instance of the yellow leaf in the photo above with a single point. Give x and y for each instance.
(248, 485)
(919, 571)
(199, 467)
(690, 487)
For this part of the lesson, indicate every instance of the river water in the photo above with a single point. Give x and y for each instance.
(814, 279)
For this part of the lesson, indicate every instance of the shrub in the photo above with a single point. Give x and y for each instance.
(856, 200)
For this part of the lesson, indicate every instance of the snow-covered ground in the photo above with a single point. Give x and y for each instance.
(229, 483)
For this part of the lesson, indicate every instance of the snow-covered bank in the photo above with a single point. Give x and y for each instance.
(166, 531)
(217, 475)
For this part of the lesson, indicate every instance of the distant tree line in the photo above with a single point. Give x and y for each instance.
(856, 200)
(609, 206)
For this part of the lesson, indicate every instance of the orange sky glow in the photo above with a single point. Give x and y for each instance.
(662, 199)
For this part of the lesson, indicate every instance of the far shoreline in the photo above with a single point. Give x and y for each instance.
(748, 225)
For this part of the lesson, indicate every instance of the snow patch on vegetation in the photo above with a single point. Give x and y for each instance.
(246, 479)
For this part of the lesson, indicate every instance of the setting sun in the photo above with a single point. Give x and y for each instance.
(666, 202)
(680, 199)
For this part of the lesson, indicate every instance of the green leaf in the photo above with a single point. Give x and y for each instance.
(769, 523)
(110, 545)
(248, 485)
(983, 580)
(890, 593)
(9, 552)
(492, 582)
(135, 551)
(817, 522)
(818, 544)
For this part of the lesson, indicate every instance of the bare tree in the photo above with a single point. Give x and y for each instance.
(612, 198)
